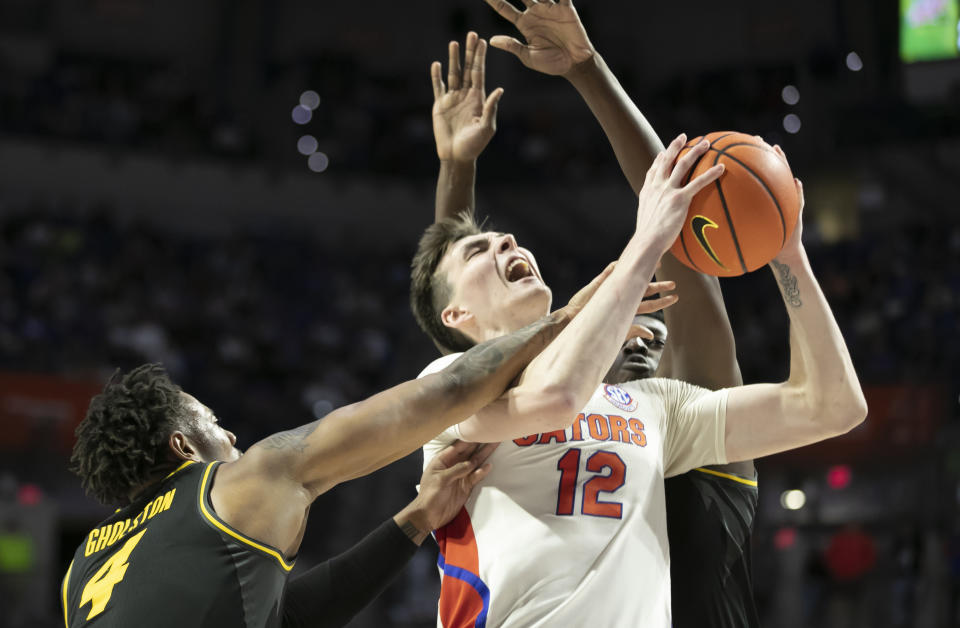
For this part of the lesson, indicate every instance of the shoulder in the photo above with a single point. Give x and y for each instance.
(665, 387)
(439, 364)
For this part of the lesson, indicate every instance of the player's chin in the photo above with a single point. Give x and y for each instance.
(630, 371)
(527, 293)
(530, 282)
(533, 288)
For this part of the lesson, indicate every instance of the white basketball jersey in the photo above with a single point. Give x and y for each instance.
(569, 527)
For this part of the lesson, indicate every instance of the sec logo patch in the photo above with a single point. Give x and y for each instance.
(619, 397)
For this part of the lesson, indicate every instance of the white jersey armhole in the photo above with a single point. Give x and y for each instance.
(452, 433)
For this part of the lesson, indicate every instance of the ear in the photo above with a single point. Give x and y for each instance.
(182, 447)
(456, 317)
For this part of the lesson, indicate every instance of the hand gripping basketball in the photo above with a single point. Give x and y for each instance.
(743, 220)
(667, 192)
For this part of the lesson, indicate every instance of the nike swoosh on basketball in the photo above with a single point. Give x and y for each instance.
(698, 224)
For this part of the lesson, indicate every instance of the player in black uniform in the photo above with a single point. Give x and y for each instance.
(207, 537)
(710, 514)
(327, 595)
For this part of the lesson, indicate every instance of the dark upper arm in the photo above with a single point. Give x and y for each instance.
(265, 494)
(700, 345)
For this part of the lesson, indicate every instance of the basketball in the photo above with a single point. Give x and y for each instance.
(741, 221)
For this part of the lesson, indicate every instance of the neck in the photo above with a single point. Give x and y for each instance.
(512, 321)
(155, 478)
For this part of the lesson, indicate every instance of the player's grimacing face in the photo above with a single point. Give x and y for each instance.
(212, 441)
(639, 358)
(495, 280)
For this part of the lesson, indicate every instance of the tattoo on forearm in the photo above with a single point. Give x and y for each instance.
(293, 440)
(788, 282)
(486, 358)
(413, 532)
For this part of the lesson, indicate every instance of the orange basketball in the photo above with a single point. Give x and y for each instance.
(742, 220)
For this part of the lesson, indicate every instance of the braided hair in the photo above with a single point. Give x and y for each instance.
(122, 442)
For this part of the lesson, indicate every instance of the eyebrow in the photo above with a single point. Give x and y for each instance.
(480, 244)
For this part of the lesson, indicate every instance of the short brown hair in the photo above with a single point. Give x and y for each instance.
(429, 291)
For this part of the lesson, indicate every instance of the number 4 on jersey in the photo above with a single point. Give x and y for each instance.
(100, 587)
(569, 467)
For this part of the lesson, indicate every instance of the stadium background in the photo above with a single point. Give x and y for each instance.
(156, 205)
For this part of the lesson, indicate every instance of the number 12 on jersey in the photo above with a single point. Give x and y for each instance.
(598, 462)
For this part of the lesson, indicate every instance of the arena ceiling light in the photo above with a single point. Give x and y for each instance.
(793, 499)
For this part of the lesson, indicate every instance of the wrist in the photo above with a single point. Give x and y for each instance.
(414, 523)
(647, 246)
(586, 71)
(793, 257)
(458, 165)
(639, 259)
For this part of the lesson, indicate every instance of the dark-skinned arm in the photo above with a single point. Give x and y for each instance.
(266, 493)
(331, 593)
(464, 121)
(701, 348)
(455, 189)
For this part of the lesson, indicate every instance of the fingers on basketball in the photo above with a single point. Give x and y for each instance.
(738, 220)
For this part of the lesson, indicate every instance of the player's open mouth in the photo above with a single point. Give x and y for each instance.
(518, 269)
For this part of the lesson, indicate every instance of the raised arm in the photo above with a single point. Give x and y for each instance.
(557, 44)
(701, 348)
(574, 365)
(464, 121)
(822, 397)
(267, 492)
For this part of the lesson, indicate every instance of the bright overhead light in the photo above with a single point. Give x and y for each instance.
(301, 114)
(307, 145)
(310, 99)
(790, 95)
(791, 123)
(318, 162)
(854, 62)
(793, 499)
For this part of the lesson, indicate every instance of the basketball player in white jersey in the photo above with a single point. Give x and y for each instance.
(574, 507)
(570, 527)
(702, 351)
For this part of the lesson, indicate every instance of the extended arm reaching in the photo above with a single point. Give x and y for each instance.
(702, 349)
(464, 121)
(266, 493)
(575, 364)
(557, 44)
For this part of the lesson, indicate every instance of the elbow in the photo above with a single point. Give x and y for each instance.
(841, 410)
(854, 409)
(560, 406)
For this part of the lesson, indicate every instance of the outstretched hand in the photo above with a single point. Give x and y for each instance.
(464, 117)
(556, 39)
(445, 485)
